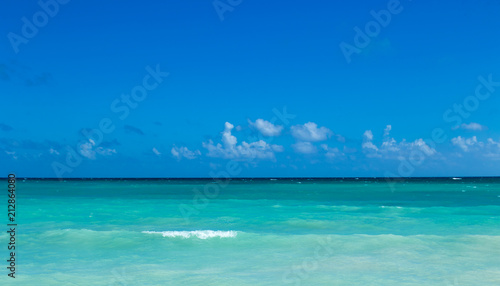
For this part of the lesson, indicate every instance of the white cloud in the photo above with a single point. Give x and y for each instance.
(157, 153)
(53, 151)
(473, 126)
(368, 145)
(304, 148)
(420, 144)
(493, 149)
(229, 149)
(105, 151)
(175, 153)
(466, 144)
(368, 135)
(492, 142)
(390, 148)
(89, 150)
(387, 130)
(227, 138)
(266, 128)
(331, 152)
(86, 149)
(183, 152)
(310, 132)
(472, 145)
(390, 144)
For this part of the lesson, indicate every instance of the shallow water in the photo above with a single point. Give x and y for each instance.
(258, 232)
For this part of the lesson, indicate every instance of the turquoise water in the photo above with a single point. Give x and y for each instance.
(257, 232)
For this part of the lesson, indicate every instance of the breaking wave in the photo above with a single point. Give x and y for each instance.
(201, 234)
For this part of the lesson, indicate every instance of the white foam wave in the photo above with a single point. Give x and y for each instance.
(202, 234)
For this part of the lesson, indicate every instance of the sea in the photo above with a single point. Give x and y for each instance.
(272, 231)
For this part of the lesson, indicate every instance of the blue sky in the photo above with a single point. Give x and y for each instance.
(200, 88)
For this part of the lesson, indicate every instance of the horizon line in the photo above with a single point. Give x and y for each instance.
(240, 178)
